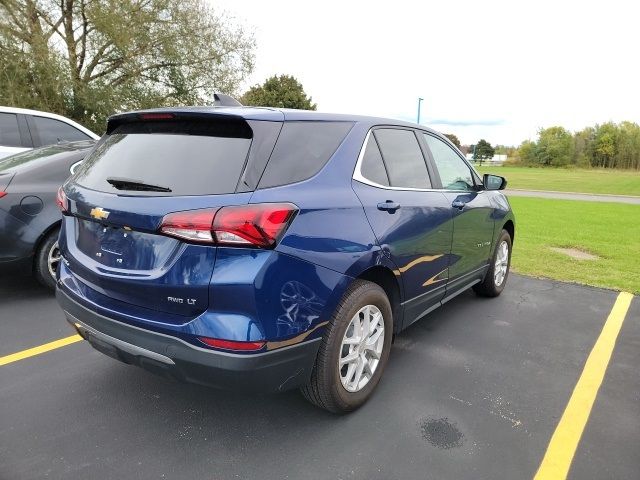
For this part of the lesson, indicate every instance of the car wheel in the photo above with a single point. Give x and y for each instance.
(47, 259)
(354, 350)
(496, 277)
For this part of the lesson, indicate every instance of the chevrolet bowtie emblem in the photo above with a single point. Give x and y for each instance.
(99, 213)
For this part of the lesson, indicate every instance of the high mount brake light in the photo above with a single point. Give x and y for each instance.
(258, 225)
(156, 116)
(62, 201)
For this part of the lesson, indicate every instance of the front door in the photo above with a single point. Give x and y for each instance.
(473, 221)
(411, 222)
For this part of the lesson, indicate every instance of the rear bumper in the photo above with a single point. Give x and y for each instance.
(271, 371)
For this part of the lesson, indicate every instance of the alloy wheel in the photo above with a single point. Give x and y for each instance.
(502, 263)
(53, 258)
(361, 348)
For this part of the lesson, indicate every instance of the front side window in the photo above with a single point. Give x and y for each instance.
(403, 158)
(455, 174)
(53, 131)
(9, 133)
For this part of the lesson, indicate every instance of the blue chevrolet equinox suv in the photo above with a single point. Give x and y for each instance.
(265, 249)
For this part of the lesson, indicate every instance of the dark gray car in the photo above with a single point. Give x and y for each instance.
(29, 217)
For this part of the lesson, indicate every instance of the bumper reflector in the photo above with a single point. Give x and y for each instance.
(232, 345)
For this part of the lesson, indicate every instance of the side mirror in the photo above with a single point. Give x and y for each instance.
(493, 182)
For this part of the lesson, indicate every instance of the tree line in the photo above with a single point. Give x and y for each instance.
(609, 145)
(87, 59)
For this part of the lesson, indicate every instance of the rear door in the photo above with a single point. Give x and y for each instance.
(111, 241)
(49, 131)
(12, 138)
(473, 222)
(412, 222)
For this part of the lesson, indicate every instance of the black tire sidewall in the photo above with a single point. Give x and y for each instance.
(41, 264)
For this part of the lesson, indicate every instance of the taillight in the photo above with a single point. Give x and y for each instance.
(232, 345)
(194, 225)
(62, 201)
(260, 225)
(2, 194)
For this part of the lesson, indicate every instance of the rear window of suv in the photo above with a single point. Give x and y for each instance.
(179, 161)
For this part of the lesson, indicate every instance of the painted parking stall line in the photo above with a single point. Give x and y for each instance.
(564, 442)
(32, 352)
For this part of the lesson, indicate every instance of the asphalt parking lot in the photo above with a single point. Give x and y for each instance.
(475, 390)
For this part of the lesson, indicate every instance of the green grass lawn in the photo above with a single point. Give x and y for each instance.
(618, 182)
(608, 230)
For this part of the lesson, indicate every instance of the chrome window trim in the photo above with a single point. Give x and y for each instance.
(358, 177)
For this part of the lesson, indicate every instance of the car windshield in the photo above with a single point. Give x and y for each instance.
(28, 156)
(23, 158)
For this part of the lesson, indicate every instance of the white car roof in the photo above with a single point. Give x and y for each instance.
(38, 113)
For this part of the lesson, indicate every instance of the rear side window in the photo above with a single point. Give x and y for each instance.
(53, 131)
(403, 157)
(9, 133)
(207, 161)
(303, 148)
(372, 167)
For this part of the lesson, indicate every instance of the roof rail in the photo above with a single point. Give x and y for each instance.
(222, 100)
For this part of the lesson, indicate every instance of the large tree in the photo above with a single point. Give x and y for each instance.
(282, 91)
(555, 147)
(89, 58)
(483, 151)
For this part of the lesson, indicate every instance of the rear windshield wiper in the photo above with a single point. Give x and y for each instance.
(135, 185)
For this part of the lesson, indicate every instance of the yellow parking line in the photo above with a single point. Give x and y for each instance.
(564, 442)
(14, 357)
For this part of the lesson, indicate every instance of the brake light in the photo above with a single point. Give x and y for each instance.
(232, 345)
(62, 201)
(2, 194)
(259, 225)
(156, 116)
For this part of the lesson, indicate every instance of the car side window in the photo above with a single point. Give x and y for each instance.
(9, 133)
(455, 174)
(53, 131)
(372, 167)
(302, 150)
(403, 158)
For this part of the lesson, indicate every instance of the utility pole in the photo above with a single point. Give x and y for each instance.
(419, 102)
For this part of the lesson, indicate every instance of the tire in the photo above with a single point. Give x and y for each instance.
(326, 388)
(493, 284)
(45, 257)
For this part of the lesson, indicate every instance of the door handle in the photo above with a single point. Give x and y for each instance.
(389, 206)
(458, 204)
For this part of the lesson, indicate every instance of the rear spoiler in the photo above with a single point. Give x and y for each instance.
(166, 114)
(194, 122)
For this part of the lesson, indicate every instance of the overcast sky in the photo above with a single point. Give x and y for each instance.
(491, 69)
